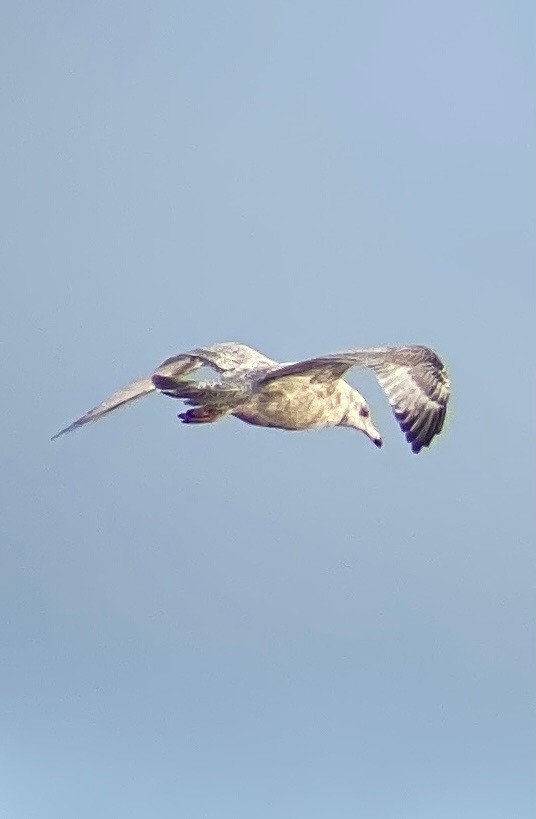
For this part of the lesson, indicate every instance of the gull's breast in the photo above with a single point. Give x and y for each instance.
(295, 403)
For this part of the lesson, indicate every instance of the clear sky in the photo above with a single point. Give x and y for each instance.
(245, 623)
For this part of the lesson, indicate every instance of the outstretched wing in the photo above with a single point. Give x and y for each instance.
(413, 378)
(232, 356)
(132, 391)
(176, 368)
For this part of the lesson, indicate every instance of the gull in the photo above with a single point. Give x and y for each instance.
(309, 394)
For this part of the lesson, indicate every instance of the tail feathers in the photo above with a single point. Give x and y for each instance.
(132, 391)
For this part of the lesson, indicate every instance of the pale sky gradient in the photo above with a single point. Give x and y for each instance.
(238, 623)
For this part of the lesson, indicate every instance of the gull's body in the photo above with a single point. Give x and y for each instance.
(306, 394)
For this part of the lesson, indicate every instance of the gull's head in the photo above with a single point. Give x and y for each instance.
(358, 417)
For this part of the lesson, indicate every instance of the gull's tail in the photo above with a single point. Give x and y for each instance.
(132, 391)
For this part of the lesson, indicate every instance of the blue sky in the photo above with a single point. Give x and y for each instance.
(237, 622)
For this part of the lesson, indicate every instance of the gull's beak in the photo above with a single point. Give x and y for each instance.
(372, 433)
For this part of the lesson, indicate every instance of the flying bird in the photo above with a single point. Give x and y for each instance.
(308, 394)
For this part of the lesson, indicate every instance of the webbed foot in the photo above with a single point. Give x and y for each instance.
(199, 415)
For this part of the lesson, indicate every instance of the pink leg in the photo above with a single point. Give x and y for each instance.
(200, 415)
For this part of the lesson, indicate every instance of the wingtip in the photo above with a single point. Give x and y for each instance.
(63, 432)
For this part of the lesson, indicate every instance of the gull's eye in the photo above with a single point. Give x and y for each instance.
(364, 412)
